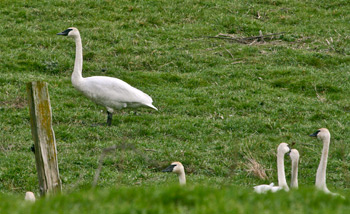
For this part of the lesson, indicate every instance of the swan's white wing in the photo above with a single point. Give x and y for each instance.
(275, 188)
(262, 188)
(113, 93)
(265, 188)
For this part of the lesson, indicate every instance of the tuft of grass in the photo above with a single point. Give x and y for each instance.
(254, 168)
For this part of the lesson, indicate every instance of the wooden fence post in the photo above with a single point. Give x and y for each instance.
(44, 138)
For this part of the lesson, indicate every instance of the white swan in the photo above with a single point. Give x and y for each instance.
(282, 149)
(29, 196)
(109, 92)
(294, 155)
(324, 135)
(263, 188)
(179, 169)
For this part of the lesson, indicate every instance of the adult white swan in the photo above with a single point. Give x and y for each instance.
(282, 149)
(324, 135)
(294, 156)
(109, 92)
(179, 169)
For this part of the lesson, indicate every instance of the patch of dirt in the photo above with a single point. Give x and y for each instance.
(17, 103)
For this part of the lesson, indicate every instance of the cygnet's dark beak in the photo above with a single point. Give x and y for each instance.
(65, 33)
(314, 134)
(169, 168)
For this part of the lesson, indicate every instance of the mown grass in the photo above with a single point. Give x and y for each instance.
(218, 101)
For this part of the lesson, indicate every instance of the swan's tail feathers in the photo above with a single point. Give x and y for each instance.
(151, 106)
(272, 184)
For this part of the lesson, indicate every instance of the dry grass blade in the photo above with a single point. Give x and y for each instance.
(100, 162)
(122, 147)
(246, 40)
(319, 97)
(254, 168)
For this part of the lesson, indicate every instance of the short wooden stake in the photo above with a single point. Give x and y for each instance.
(44, 138)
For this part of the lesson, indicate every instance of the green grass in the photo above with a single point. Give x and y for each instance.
(174, 199)
(219, 102)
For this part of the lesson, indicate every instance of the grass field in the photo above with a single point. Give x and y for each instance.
(220, 102)
(173, 199)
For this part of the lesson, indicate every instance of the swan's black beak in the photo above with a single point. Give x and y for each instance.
(169, 168)
(65, 33)
(314, 134)
(288, 153)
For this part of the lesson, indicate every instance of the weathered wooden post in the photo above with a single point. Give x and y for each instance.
(44, 138)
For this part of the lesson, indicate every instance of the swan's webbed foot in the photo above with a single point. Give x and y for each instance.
(109, 118)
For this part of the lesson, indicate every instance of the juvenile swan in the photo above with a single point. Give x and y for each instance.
(282, 149)
(29, 196)
(112, 93)
(294, 155)
(324, 135)
(179, 169)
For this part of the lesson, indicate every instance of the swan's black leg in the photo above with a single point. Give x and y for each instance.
(109, 118)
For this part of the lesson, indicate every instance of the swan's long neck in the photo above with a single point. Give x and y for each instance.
(78, 65)
(294, 180)
(182, 178)
(280, 170)
(321, 170)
